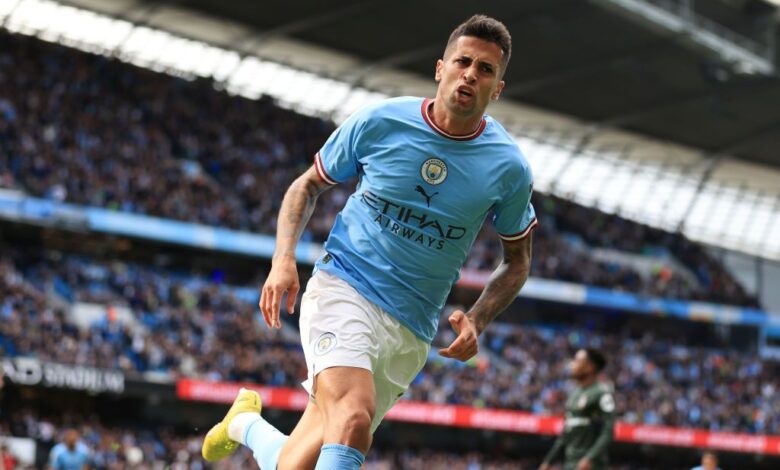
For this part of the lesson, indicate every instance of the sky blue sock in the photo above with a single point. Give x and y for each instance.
(266, 443)
(339, 457)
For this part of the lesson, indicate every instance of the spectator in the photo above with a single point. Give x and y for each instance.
(7, 459)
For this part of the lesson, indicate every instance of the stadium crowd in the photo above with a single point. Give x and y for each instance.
(119, 447)
(658, 380)
(116, 447)
(202, 331)
(90, 130)
(193, 327)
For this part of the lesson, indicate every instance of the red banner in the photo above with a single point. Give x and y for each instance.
(492, 419)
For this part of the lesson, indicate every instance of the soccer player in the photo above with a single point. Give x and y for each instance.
(587, 427)
(430, 171)
(709, 461)
(70, 454)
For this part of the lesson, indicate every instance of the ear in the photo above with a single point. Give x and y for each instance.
(498, 91)
(439, 65)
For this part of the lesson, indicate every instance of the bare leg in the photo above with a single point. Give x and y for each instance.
(342, 415)
(302, 449)
(346, 398)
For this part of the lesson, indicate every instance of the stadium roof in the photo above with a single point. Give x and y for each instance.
(591, 59)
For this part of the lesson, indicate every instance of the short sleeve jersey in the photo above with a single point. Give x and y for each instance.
(62, 458)
(589, 415)
(421, 198)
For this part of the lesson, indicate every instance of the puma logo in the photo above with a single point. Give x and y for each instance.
(421, 190)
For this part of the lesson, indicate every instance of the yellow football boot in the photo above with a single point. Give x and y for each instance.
(217, 445)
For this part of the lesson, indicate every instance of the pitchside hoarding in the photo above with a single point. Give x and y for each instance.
(492, 419)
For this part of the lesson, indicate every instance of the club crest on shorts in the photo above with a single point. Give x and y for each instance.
(324, 344)
(434, 171)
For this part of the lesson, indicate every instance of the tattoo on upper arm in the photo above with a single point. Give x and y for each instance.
(298, 203)
(314, 183)
(518, 251)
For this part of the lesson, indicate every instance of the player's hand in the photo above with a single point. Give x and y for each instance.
(584, 464)
(465, 345)
(282, 278)
(544, 466)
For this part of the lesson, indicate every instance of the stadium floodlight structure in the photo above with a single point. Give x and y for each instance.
(690, 28)
(163, 51)
(646, 181)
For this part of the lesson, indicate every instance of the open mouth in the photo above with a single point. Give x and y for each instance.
(463, 91)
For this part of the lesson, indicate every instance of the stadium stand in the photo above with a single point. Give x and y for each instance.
(115, 447)
(132, 445)
(226, 161)
(95, 131)
(658, 380)
(188, 326)
(196, 332)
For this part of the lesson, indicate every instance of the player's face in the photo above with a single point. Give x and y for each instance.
(580, 365)
(469, 76)
(709, 462)
(71, 437)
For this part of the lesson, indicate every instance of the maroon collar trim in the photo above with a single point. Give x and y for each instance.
(425, 110)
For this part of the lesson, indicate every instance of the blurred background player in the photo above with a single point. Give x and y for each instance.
(587, 429)
(709, 461)
(70, 454)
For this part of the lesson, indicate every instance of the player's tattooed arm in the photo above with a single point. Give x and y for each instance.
(504, 284)
(296, 210)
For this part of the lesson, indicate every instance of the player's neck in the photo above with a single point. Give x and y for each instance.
(586, 381)
(450, 123)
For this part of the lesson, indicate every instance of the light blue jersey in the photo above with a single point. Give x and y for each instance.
(421, 199)
(62, 458)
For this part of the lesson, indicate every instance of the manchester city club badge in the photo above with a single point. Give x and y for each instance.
(434, 171)
(324, 343)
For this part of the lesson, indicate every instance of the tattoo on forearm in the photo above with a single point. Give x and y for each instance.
(503, 285)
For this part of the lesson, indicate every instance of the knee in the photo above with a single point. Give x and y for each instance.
(356, 423)
(349, 425)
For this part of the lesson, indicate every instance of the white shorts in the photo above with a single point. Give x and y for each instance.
(339, 327)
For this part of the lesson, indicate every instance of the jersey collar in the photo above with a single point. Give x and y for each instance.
(426, 109)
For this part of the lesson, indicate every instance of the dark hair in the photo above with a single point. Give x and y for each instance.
(488, 29)
(597, 358)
